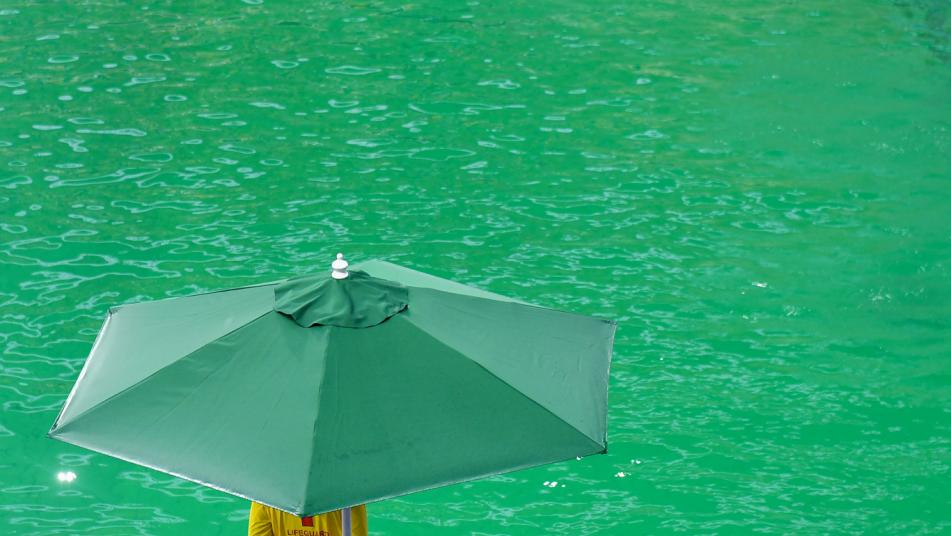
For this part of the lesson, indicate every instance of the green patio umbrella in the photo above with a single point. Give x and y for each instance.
(326, 391)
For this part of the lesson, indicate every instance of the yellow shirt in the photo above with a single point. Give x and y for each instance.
(267, 521)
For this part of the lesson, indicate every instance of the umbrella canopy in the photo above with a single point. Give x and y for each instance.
(316, 393)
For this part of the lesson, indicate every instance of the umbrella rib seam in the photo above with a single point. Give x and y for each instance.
(491, 295)
(313, 433)
(518, 303)
(219, 291)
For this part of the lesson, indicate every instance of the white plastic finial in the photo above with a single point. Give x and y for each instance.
(339, 267)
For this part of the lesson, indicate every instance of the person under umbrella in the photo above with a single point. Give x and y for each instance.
(267, 521)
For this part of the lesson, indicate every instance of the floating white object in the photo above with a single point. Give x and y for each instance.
(339, 267)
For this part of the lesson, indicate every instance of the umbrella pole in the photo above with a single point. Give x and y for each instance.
(339, 271)
(346, 522)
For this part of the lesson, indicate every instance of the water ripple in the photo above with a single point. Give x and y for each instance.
(351, 70)
(778, 267)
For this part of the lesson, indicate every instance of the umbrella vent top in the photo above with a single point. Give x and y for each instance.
(339, 268)
(356, 301)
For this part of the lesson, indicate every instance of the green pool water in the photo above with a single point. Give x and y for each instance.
(758, 192)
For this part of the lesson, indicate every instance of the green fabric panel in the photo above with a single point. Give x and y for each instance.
(559, 359)
(238, 414)
(141, 338)
(401, 412)
(359, 301)
(413, 278)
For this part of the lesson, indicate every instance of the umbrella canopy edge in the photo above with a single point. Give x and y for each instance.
(129, 459)
(462, 480)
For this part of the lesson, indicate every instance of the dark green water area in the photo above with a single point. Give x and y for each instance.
(758, 192)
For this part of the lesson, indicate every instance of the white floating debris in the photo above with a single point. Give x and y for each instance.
(553, 484)
(638, 462)
(66, 476)
(620, 474)
(760, 284)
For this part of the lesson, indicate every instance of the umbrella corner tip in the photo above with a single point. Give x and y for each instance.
(55, 430)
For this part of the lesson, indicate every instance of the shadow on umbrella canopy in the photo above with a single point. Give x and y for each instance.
(327, 391)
